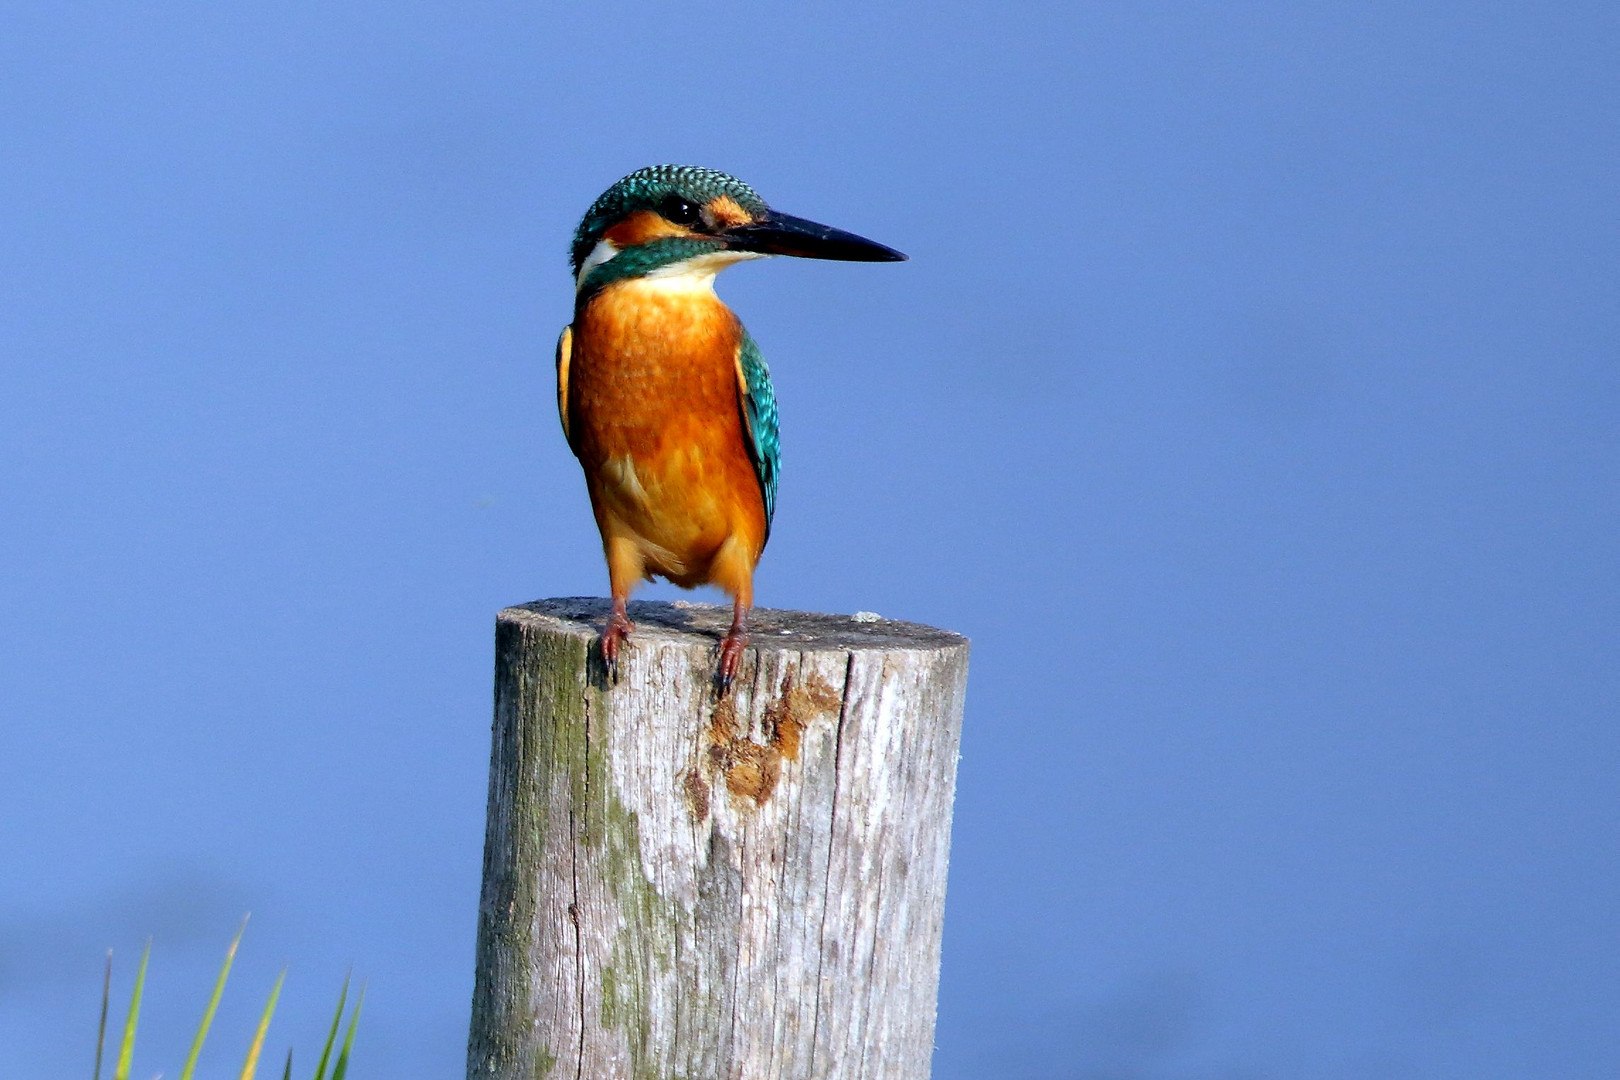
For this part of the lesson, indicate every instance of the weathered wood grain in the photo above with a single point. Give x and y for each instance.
(680, 887)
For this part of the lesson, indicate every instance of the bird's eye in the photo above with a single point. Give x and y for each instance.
(679, 210)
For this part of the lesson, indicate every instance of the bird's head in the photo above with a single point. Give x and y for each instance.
(685, 220)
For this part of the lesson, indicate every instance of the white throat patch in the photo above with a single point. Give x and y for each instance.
(697, 273)
(601, 253)
(694, 274)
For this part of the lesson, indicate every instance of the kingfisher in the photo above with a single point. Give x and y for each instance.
(663, 396)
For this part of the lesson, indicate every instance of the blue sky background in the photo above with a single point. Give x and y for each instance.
(1250, 399)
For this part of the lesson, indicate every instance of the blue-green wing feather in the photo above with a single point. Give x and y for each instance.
(758, 401)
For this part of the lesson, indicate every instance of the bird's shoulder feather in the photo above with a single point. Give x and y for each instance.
(757, 400)
(565, 353)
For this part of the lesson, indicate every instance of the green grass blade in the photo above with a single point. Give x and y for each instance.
(213, 1004)
(342, 1065)
(126, 1049)
(286, 1072)
(331, 1036)
(251, 1065)
(101, 1028)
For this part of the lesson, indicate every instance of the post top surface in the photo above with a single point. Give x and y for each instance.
(767, 627)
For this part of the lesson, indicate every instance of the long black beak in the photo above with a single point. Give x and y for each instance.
(784, 234)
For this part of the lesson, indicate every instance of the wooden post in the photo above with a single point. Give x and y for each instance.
(684, 887)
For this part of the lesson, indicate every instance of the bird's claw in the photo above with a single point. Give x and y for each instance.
(731, 652)
(614, 636)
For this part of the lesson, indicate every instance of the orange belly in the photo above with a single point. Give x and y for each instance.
(653, 403)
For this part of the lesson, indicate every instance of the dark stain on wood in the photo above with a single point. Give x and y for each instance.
(795, 707)
(752, 769)
(697, 794)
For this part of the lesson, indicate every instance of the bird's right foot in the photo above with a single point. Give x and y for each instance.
(731, 654)
(613, 636)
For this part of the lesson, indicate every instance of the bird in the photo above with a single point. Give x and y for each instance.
(664, 397)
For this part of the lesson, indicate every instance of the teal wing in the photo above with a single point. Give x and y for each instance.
(758, 402)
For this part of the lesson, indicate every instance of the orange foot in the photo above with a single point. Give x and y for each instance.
(613, 635)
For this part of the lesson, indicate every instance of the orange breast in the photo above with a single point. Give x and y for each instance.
(653, 401)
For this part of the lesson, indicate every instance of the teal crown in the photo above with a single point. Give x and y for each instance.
(651, 188)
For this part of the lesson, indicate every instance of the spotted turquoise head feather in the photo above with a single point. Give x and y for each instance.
(655, 188)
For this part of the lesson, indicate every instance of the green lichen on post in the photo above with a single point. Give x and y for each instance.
(559, 745)
(537, 676)
(645, 942)
(553, 683)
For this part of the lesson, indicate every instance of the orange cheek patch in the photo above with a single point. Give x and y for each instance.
(642, 227)
(724, 211)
